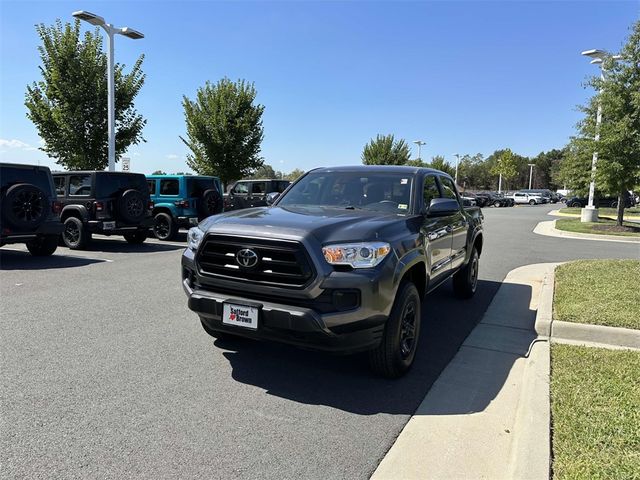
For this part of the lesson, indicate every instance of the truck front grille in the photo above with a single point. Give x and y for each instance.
(279, 262)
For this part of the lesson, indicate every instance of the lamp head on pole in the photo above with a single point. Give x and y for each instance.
(131, 33)
(92, 18)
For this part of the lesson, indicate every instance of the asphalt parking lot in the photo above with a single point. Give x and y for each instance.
(106, 373)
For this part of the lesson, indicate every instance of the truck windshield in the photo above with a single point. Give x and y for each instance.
(376, 191)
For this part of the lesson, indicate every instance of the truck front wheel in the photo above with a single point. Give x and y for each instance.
(465, 280)
(397, 349)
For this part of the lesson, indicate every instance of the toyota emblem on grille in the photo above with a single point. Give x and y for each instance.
(247, 258)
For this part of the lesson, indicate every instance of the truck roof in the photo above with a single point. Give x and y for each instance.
(407, 169)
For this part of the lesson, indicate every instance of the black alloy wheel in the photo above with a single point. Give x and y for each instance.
(408, 330)
(74, 234)
(165, 228)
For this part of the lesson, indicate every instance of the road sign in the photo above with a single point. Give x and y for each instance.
(126, 164)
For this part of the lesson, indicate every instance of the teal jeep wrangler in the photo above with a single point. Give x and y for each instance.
(182, 201)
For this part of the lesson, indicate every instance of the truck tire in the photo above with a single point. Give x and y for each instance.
(136, 238)
(497, 203)
(43, 246)
(165, 228)
(131, 206)
(75, 235)
(465, 281)
(25, 206)
(396, 352)
(210, 203)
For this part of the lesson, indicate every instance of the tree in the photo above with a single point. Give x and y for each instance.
(505, 165)
(385, 150)
(547, 164)
(618, 167)
(69, 105)
(439, 163)
(224, 129)
(265, 171)
(159, 172)
(294, 175)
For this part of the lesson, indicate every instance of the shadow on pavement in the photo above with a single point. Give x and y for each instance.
(16, 260)
(117, 244)
(345, 382)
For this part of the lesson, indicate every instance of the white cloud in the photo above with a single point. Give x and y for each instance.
(16, 145)
(173, 156)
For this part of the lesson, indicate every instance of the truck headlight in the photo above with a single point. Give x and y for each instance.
(358, 255)
(194, 238)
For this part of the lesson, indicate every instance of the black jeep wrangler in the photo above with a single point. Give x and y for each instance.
(109, 203)
(30, 211)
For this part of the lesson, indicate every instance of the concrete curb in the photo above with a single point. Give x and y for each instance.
(579, 333)
(596, 334)
(558, 213)
(548, 228)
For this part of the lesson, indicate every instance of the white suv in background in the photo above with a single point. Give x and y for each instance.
(530, 198)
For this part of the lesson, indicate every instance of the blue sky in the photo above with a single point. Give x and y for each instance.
(466, 77)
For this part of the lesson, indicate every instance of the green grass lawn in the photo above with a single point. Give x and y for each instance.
(603, 227)
(635, 211)
(595, 413)
(598, 292)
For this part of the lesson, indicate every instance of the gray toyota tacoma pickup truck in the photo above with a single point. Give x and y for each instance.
(341, 261)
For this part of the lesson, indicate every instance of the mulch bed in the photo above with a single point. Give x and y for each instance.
(616, 228)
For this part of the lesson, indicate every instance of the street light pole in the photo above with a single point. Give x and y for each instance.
(531, 165)
(590, 212)
(457, 155)
(419, 143)
(111, 31)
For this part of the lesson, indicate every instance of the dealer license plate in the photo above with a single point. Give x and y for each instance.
(240, 315)
(108, 225)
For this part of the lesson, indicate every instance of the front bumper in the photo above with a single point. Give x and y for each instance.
(312, 317)
(299, 326)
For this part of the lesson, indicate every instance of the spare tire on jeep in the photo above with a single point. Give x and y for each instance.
(131, 206)
(25, 206)
(210, 203)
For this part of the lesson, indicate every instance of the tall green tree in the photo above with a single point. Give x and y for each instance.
(618, 167)
(265, 171)
(69, 104)
(386, 150)
(505, 165)
(439, 163)
(294, 174)
(224, 129)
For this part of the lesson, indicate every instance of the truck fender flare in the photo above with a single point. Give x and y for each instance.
(408, 261)
(75, 211)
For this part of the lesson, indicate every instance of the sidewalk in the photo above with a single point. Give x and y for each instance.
(487, 415)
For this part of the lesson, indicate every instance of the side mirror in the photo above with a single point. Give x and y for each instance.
(272, 197)
(441, 207)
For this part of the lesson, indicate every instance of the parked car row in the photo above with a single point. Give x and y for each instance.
(601, 201)
(488, 199)
(43, 209)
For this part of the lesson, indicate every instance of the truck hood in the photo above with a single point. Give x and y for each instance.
(326, 225)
